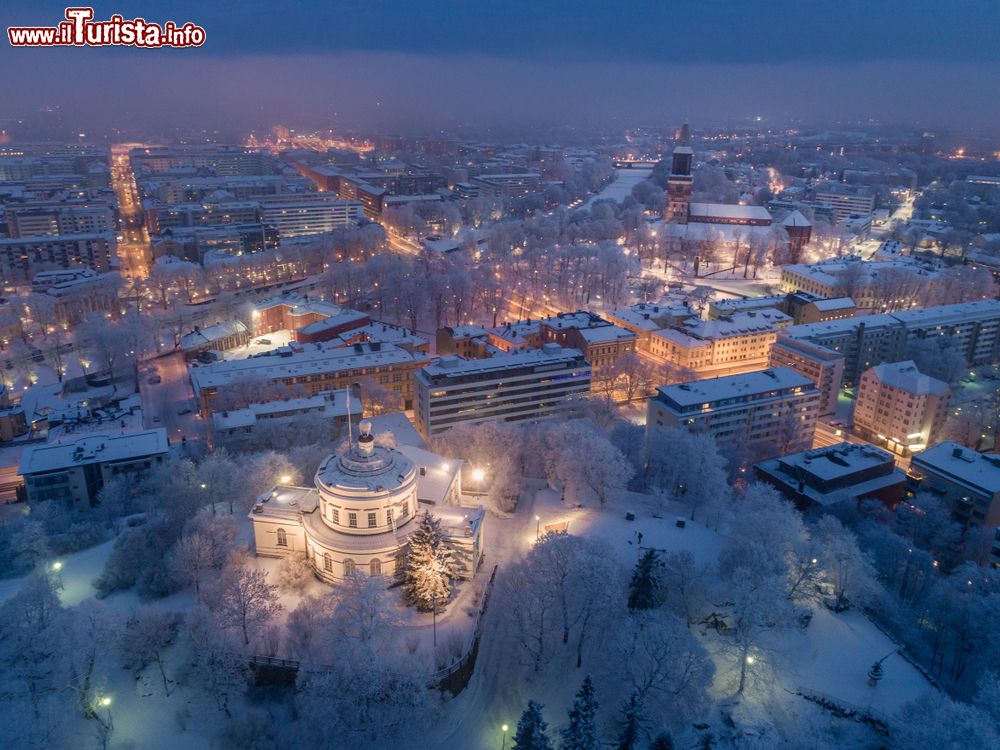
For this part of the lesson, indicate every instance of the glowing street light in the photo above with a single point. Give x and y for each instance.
(57, 566)
(503, 742)
(285, 479)
(538, 520)
(478, 475)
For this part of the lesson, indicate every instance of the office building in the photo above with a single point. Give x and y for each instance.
(839, 474)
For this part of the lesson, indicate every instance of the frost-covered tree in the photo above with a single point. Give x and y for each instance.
(759, 604)
(32, 643)
(848, 569)
(662, 742)
(942, 723)
(581, 732)
(686, 466)
(530, 734)
(143, 639)
(428, 566)
(30, 545)
(243, 600)
(685, 586)
(202, 550)
(665, 665)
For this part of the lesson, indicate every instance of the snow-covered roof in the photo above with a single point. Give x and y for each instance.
(93, 449)
(730, 211)
(402, 429)
(962, 312)
(953, 461)
(906, 377)
(342, 318)
(834, 303)
(308, 362)
(332, 406)
(747, 386)
(452, 366)
(211, 334)
(836, 473)
(439, 475)
(795, 219)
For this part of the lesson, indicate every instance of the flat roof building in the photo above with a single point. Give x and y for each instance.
(771, 412)
(843, 473)
(529, 385)
(75, 471)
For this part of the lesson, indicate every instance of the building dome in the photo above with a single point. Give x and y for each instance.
(367, 489)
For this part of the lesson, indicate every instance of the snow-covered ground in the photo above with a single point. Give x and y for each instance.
(621, 187)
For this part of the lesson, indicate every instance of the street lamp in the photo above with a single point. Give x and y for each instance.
(57, 566)
(285, 479)
(478, 475)
(538, 520)
(503, 742)
(105, 701)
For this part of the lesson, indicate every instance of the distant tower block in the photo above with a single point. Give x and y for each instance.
(680, 182)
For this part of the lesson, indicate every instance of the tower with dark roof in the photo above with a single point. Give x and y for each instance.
(680, 181)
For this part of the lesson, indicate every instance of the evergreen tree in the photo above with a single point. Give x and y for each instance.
(663, 742)
(531, 727)
(429, 566)
(581, 734)
(645, 588)
(631, 724)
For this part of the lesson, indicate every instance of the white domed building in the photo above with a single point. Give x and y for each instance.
(363, 507)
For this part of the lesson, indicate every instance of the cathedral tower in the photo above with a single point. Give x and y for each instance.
(680, 182)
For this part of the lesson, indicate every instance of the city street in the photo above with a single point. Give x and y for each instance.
(162, 402)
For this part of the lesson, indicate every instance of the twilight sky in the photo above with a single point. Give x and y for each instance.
(410, 65)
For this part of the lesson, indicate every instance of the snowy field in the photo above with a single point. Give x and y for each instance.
(830, 657)
(621, 187)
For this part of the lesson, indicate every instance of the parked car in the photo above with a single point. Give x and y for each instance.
(156, 379)
(183, 411)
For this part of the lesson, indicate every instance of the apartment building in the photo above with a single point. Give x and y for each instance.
(74, 472)
(966, 480)
(23, 257)
(525, 385)
(847, 202)
(310, 213)
(643, 318)
(740, 342)
(48, 218)
(975, 326)
(822, 366)
(899, 408)
(771, 412)
(315, 368)
(601, 342)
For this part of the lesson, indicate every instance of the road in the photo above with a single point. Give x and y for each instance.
(162, 401)
(134, 251)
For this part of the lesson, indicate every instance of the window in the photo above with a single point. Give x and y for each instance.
(375, 567)
(352, 520)
(372, 520)
(327, 562)
(335, 515)
(348, 567)
(388, 516)
(282, 538)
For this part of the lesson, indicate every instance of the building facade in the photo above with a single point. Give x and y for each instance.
(899, 408)
(770, 412)
(529, 385)
(364, 505)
